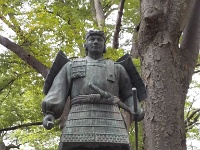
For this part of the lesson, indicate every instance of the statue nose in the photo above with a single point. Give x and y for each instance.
(95, 41)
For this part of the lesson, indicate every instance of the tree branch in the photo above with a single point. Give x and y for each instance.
(108, 6)
(12, 146)
(21, 126)
(190, 127)
(192, 115)
(109, 12)
(118, 25)
(196, 71)
(28, 58)
(197, 65)
(188, 123)
(108, 9)
(6, 84)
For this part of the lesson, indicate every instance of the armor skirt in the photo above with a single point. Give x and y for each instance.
(94, 125)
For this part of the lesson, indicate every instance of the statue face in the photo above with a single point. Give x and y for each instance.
(95, 45)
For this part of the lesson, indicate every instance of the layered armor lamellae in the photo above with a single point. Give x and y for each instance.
(97, 123)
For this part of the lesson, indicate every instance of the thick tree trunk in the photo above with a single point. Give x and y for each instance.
(164, 72)
(164, 123)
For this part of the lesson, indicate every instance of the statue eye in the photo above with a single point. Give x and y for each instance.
(91, 39)
(100, 39)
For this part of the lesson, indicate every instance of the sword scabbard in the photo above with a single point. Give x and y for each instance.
(134, 90)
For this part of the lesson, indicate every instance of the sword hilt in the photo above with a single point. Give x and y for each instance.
(135, 101)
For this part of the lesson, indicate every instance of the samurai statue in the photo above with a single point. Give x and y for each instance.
(97, 89)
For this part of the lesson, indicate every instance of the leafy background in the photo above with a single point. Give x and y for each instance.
(42, 28)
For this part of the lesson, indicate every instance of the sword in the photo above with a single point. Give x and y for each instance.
(134, 90)
(108, 95)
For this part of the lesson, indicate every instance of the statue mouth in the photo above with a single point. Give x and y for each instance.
(95, 47)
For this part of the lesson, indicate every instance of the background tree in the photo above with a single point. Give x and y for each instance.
(42, 28)
(167, 68)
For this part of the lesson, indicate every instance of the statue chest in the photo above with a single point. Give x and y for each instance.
(100, 74)
(96, 73)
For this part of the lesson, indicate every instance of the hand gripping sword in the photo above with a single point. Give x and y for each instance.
(107, 95)
(134, 90)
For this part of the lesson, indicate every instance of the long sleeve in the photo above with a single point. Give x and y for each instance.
(125, 85)
(55, 99)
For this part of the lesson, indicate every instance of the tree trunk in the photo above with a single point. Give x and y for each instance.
(165, 72)
(99, 14)
(118, 25)
(165, 106)
(2, 146)
(191, 39)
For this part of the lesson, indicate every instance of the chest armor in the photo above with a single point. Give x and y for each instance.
(102, 74)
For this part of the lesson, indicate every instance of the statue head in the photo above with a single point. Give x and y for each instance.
(91, 33)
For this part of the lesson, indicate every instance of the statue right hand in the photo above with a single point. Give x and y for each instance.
(48, 121)
(139, 116)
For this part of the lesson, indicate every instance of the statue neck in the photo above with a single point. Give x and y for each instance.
(95, 57)
(89, 58)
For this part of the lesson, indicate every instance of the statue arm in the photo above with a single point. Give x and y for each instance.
(55, 99)
(126, 92)
(124, 83)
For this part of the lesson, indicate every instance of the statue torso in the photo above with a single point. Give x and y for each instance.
(91, 124)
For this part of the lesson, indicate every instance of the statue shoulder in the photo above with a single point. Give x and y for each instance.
(79, 59)
(119, 66)
(78, 62)
(114, 64)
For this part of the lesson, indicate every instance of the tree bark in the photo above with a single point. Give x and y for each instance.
(99, 14)
(2, 146)
(191, 39)
(190, 48)
(118, 25)
(93, 11)
(28, 58)
(164, 72)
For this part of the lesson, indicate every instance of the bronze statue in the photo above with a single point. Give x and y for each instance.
(97, 88)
